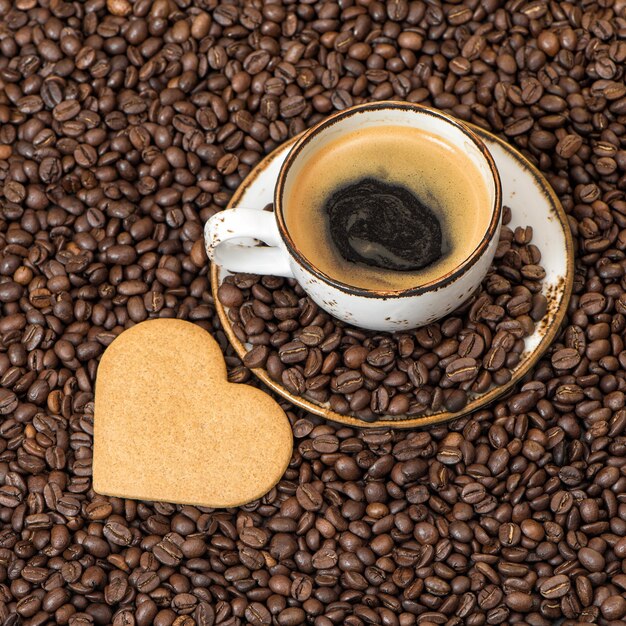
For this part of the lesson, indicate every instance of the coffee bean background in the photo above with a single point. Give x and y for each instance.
(123, 127)
(381, 375)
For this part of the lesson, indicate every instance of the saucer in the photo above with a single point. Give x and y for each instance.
(533, 203)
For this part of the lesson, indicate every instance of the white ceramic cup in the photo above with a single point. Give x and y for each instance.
(232, 236)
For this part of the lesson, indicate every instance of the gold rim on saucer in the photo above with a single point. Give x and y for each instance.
(476, 403)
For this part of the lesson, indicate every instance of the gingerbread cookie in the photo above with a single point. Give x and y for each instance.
(169, 426)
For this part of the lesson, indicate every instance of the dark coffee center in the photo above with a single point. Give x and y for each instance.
(383, 225)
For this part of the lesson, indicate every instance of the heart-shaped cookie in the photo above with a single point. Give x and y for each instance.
(169, 426)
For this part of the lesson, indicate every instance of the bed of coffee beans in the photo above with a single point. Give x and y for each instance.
(371, 374)
(123, 127)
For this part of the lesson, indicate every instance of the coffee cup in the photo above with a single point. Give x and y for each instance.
(388, 215)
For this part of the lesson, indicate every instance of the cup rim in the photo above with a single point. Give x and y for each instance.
(431, 286)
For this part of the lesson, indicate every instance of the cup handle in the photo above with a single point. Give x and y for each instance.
(224, 228)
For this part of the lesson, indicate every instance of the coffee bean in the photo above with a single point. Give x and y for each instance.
(294, 381)
(117, 533)
(380, 400)
(311, 336)
(518, 126)
(254, 537)
(85, 155)
(461, 370)
(8, 401)
(292, 106)
(518, 601)
(230, 295)
(258, 615)
(66, 110)
(494, 359)
(309, 498)
(291, 617)
(325, 558)
(471, 346)
(10, 496)
(418, 374)
(167, 553)
(347, 382)
(355, 356)
(614, 607)
(455, 400)
(591, 559)
(555, 587)
(292, 352)
(381, 356)
(473, 493)
(566, 358)
(509, 534)
(257, 357)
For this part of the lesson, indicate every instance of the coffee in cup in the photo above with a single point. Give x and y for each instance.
(387, 207)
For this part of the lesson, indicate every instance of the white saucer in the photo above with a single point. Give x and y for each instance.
(533, 203)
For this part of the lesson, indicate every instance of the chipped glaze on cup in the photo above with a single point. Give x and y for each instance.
(230, 235)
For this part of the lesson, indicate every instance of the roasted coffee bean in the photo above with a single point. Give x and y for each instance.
(311, 335)
(566, 358)
(347, 382)
(257, 357)
(418, 374)
(309, 498)
(471, 345)
(461, 370)
(509, 534)
(230, 295)
(555, 587)
(591, 559)
(294, 381)
(292, 352)
(257, 614)
(8, 401)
